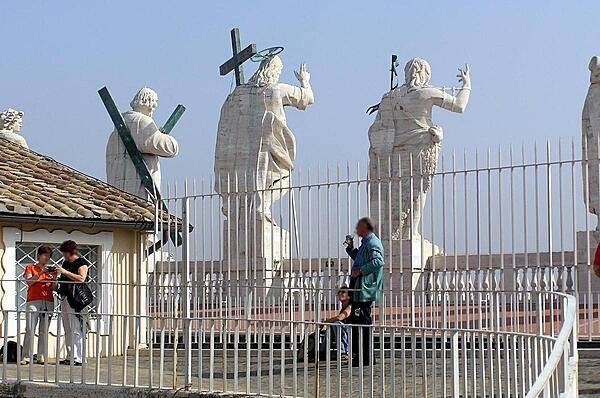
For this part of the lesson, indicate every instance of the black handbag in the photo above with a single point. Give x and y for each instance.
(80, 296)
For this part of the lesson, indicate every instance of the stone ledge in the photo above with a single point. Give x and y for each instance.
(31, 389)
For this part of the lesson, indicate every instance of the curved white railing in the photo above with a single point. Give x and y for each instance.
(443, 343)
(562, 361)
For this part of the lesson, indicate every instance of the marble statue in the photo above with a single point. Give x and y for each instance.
(590, 137)
(11, 122)
(255, 149)
(150, 141)
(404, 141)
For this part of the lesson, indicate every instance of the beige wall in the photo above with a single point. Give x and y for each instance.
(128, 288)
(128, 296)
(2, 248)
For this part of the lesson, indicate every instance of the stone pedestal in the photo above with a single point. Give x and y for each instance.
(587, 242)
(409, 259)
(586, 249)
(587, 281)
(261, 243)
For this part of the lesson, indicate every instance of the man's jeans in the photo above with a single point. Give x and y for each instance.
(37, 311)
(333, 330)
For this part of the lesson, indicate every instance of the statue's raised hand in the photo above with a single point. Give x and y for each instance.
(464, 76)
(303, 75)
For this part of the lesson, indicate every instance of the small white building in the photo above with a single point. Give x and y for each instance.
(45, 202)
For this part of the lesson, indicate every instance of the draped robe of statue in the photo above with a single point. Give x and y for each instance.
(590, 125)
(255, 151)
(120, 170)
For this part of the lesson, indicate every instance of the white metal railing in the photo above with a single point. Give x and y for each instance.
(561, 360)
(504, 221)
(447, 344)
(511, 219)
(478, 299)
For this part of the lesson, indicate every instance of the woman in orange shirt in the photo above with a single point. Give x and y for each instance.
(39, 306)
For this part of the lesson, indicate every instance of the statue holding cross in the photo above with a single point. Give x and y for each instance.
(256, 147)
(151, 142)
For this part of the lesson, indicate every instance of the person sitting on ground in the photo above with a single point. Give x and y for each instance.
(340, 321)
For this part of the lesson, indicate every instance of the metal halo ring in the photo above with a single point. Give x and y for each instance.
(266, 53)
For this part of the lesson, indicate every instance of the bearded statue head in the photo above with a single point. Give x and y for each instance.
(268, 72)
(145, 101)
(417, 72)
(11, 120)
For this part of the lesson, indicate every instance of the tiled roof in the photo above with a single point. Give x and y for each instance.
(36, 185)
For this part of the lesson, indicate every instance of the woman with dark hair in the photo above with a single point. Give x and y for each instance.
(74, 270)
(39, 305)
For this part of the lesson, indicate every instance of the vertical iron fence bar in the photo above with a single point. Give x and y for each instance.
(186, 291)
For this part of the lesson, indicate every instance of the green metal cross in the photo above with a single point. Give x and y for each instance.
(173, 119)
(239, 57)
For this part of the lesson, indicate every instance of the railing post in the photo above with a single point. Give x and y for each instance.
(571, 375)
(5, 321)
(571, 361)
(455, 365)
(185, 254)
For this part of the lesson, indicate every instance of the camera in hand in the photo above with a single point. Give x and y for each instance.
(349, 240)
(50, 268)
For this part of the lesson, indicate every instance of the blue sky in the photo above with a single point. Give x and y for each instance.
(528, 65)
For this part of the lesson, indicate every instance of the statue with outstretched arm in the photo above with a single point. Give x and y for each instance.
(253, 137)
(405, 142)
(590, 142)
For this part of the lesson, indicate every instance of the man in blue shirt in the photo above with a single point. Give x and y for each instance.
(366, 284)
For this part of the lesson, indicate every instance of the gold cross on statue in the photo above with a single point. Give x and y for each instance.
(238, 58)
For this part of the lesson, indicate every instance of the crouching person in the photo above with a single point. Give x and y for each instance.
(339, 326)
(71, 281)
(39, 306)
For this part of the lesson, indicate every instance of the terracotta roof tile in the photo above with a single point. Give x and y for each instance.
(34, 184)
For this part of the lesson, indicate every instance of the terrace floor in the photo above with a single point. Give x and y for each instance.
(279, 374)
(589, 376)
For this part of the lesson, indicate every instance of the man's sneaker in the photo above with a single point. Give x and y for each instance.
(39, 361)
(75, 363)
(24, 362)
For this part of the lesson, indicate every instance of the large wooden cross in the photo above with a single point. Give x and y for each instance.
(239, 57)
